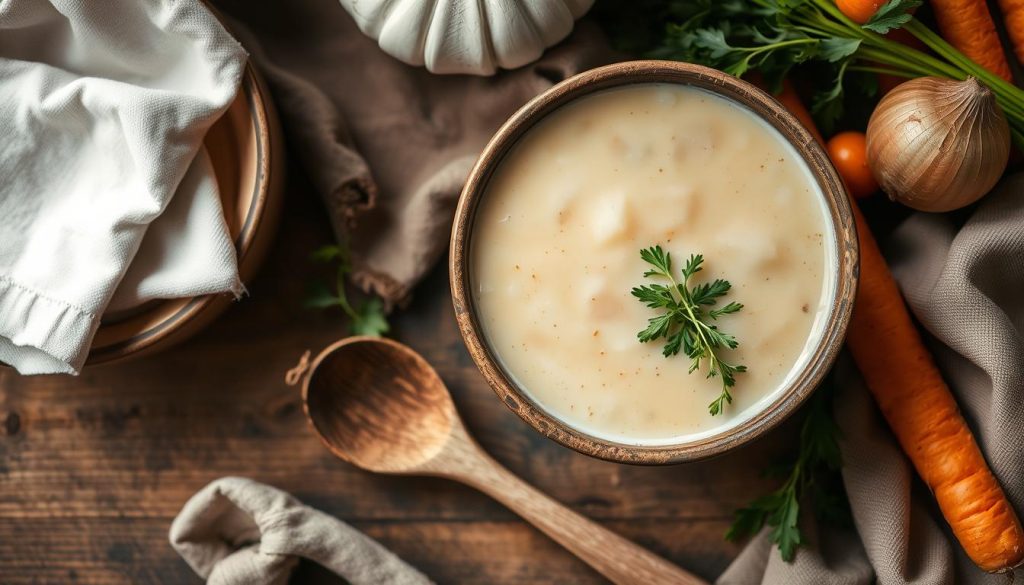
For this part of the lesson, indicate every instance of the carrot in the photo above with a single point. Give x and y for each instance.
(859, 11)
(791, 100)
(968, 26)
(920, 409)
(1013, 16)
(925, 418)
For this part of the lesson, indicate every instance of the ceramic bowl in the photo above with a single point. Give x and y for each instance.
(247, 153)
(845, 263)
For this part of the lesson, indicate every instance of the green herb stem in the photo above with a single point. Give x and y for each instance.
(886, 57)
(913, 63)
(927, 62)
(882, 71)
(1010, 97)
(365, 318)
(846, 28)
(343, 301)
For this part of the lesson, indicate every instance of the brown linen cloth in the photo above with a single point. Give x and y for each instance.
(236, 531)
(966, 287)
(388, 146)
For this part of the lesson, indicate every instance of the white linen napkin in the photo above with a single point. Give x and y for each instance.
(103, 107)
(187, 251)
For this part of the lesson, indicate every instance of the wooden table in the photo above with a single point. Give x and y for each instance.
(94, 468)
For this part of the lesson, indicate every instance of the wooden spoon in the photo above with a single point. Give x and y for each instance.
(377, 404)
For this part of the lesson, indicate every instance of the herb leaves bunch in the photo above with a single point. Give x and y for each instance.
(685, 319)
(812, 478)
(365, 318)
(772, 36)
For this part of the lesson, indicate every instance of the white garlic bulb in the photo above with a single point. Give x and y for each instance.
(466, 36)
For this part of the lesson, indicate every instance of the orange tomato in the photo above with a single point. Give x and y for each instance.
(859, 11)
(848, 151)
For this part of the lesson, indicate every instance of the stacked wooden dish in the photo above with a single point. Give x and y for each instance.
(248, 158)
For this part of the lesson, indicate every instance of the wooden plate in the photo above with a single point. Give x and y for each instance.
(246, 150)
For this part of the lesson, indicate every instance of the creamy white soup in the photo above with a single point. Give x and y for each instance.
(555, 252)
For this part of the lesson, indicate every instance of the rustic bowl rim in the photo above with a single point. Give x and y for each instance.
(762, 104)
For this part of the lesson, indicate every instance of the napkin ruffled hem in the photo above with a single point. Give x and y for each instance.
(39, 334)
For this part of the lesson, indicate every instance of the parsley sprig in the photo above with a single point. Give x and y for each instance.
(813, 478)
(365, 318)
(685, 318)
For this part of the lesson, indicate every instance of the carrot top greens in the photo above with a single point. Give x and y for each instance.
(772, 37)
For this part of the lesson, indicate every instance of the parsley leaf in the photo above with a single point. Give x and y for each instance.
(713, 41)
(838, 48)
(786, 533)
(892, 14)
(366, 318)
(369, 319)
(684, 319)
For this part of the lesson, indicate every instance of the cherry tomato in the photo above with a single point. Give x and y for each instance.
(849, 153)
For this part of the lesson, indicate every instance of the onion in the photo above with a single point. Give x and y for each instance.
(938, 144)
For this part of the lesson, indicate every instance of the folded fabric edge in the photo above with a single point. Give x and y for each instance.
(42, 335)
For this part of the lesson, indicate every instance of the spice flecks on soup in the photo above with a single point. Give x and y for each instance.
(555, 252)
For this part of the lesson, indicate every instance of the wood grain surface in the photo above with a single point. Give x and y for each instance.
(93, 469)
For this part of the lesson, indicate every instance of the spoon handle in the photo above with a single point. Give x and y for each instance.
(621, 561)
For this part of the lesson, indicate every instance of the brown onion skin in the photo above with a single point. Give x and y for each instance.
(938, 144)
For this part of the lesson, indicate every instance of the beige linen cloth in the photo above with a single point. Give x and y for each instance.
(388, 146)
(237, 531)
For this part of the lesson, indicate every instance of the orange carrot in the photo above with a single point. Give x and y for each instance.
(920, 409)
(859, 11)
(968, 26)
(789, 98)
(925, 418)
(1013, 16)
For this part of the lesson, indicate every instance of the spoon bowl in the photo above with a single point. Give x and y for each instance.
(378, 405)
